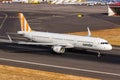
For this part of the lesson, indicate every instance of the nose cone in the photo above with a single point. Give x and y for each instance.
(109, 47)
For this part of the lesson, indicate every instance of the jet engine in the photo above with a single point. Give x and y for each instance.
(58, 49)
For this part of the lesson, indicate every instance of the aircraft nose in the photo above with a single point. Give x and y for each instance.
(109, 47)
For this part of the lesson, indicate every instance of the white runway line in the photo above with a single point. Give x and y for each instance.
(62, 67)
(1, 25)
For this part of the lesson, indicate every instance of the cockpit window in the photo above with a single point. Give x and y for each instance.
(104, 43)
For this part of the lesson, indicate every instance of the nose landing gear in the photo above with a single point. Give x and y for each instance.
(99, 54)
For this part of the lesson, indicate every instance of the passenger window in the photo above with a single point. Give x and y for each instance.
(104, 42)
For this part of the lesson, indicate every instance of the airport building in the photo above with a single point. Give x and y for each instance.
(49, 1)
(6, 1)
(66, 1)
(80, 2)
(114, 9)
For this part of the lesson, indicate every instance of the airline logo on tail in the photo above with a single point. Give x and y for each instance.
(24, 24)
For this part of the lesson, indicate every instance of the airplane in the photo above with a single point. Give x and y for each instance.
(60, 42)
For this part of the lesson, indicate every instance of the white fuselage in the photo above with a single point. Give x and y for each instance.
(74, 41)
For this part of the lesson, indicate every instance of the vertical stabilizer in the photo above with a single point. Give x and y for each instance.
(24, 24)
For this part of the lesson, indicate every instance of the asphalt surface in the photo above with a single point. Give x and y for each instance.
(75, 62)
(61, 19)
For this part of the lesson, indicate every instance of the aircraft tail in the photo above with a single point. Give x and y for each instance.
(24, 24)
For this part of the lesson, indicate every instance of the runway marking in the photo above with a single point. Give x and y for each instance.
(3, 21)
(62, 67)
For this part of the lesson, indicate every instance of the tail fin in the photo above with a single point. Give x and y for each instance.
(24, 24)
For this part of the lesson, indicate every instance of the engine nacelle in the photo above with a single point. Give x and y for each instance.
(58, 49)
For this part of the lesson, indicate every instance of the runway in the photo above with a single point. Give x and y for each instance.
(75, 62)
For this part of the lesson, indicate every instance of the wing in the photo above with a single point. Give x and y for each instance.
(66, 45)
(63, 44)
(4, 41)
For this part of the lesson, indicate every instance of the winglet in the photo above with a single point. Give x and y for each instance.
(24, 24)
(10, 38)
(89, 32)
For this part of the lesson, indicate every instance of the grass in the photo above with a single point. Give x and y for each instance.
(15, 73)
(112, 35)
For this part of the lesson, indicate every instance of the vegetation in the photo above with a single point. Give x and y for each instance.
(14, 73)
